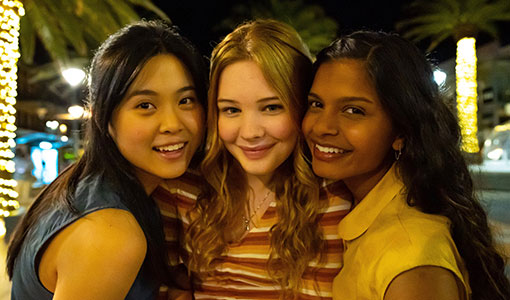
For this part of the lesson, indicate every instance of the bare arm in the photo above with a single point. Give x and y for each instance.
(97, 257)
(425, 283)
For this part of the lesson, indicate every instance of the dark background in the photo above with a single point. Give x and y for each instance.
(197, 18)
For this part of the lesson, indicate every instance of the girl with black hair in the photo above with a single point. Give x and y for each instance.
(94, 233)
(377, 122)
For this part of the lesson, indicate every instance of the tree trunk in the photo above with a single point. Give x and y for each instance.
(467, 107)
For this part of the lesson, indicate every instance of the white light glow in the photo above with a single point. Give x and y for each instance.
(45, 145)
(439, 77)
(487, 143)
(495, 154)
(73, 76)
(52, 124)
(76, 111)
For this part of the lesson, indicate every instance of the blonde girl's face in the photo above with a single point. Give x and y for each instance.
(253, 122)
(159, 124)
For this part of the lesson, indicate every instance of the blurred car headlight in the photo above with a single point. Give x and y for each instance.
(495, 154)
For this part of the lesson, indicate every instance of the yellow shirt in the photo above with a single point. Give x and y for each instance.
(383, 237)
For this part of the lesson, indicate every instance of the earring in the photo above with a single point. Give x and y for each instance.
(398, 153)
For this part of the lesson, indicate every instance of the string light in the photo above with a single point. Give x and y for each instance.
(466, 93)
(10, 14)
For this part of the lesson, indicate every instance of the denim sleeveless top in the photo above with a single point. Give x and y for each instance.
(92, 194)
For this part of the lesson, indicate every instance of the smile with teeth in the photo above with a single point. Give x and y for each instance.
(329, 149)
(170, 148)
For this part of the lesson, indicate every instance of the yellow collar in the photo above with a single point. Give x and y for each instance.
(363, 215)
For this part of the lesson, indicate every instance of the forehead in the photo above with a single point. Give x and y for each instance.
(346, 76)
(162, 71)
(244, 81)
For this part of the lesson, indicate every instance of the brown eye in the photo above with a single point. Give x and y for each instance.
(354, 111)
(314, 104)
(145, 105)
(186, 101)
(273, 108)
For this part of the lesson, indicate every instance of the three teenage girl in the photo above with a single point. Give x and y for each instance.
(259, 226)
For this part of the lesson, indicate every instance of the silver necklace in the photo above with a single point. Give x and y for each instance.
(247, 221)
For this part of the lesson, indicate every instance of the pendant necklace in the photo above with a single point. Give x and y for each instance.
(248, 220)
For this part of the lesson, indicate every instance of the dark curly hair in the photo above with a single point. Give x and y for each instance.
(432, 165)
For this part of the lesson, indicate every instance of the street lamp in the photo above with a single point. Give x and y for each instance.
(76, 111)
(75, 76)
(439, 77)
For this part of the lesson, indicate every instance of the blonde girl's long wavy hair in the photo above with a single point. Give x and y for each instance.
(296, 239)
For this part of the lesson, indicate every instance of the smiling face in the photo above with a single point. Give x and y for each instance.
(253, 122)
(349, 134)
(158, 126)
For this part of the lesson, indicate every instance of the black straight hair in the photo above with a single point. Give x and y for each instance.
(432, 165)
(114, 67)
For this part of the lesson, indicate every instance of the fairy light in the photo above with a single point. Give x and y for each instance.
(10, 14)
(467, 94)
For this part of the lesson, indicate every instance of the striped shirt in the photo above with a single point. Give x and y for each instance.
(242, 272)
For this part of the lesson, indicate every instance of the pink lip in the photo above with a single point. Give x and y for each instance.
(255, 152)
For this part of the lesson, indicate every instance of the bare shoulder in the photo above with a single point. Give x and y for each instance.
(425, 283)
(98, 256)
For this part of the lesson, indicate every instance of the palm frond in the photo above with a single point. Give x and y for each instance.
(148, 5)
(27, 41)
(47, 29)
(123, 12)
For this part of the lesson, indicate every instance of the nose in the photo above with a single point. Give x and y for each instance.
(170, 121)
(251, 127)
(325, 124)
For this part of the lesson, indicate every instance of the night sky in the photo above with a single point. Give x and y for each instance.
(196, 18)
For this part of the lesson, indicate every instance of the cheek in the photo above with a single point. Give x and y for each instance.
(226, 130)
(194, 122)
(285, 130)
(306, 126)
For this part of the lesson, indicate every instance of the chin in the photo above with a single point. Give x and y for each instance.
(326, 173)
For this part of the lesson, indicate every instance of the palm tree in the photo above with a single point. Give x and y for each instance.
(61, 25)
(316, 29)
(438, 20)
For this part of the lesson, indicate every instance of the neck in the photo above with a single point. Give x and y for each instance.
(360, 186)
(148, 181)
(259, 184)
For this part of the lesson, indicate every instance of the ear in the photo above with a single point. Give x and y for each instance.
(111, 131)
(398, 143)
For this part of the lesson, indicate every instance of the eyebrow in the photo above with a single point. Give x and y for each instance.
(258, 101)
(154, 93)
(346, 99)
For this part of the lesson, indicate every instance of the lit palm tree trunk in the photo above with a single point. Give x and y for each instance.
(465, 71)
(10, 13)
